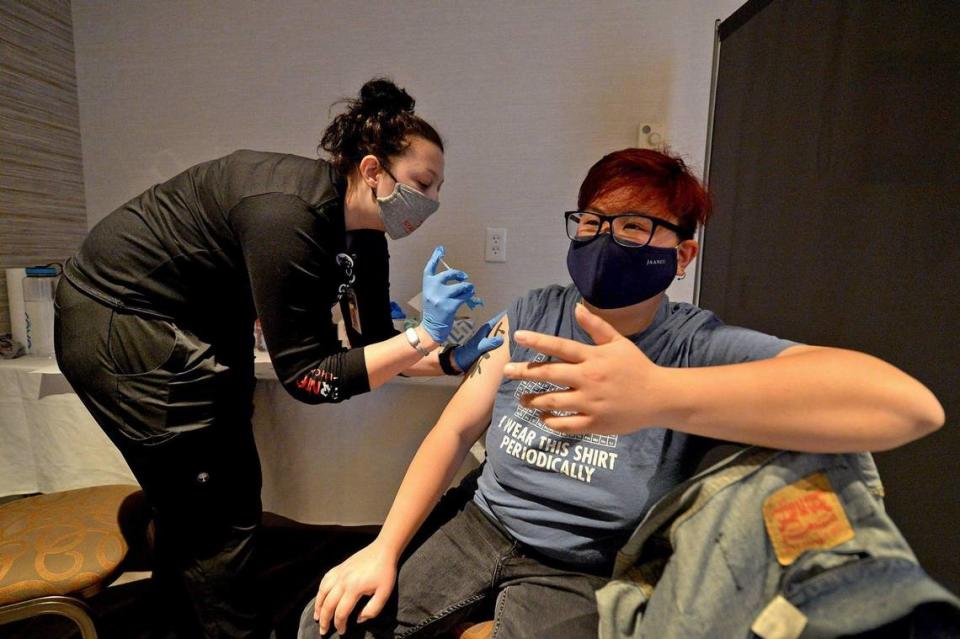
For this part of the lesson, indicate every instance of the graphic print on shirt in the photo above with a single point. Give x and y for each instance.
(527, 438)
(532, 416)
(320, 382)
(345, 262)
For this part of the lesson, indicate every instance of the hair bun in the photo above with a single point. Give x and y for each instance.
(380, 95)
(377, 122)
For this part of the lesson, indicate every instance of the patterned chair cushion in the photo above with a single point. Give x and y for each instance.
(482, 630)
(61, 543)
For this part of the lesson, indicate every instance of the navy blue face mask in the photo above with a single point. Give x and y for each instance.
(612, 276)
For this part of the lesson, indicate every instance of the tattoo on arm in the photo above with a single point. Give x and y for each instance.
(476, 365)
(498, 329)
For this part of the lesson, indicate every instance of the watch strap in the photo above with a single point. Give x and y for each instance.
(445, 364)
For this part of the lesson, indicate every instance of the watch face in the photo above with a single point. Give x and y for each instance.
(414, 340)
(412, 337)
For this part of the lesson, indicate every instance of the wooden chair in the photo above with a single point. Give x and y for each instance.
(57, 550)
(482, 630)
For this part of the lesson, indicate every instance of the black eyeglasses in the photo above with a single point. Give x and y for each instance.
(631, 230)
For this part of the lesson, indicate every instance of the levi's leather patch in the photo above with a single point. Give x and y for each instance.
(806, 515)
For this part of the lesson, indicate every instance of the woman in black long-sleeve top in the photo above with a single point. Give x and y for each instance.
(155, 315)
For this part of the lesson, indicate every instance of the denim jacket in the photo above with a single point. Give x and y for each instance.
(778, 545)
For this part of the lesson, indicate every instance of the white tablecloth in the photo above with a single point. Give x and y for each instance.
(324, 464)
(48, 440)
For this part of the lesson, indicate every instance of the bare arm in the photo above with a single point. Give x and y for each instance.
(461, 424)
(427, 367)
(393, 356)
(809, 398)
(372, 571)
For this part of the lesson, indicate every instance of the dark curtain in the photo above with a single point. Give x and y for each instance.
(835, 170)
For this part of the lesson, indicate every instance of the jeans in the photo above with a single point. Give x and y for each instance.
(471, 563)
(774, 544)
(178, 408)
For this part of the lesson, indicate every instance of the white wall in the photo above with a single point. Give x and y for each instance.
(527, 95)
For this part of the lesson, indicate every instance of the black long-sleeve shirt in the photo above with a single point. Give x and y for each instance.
(248, 235)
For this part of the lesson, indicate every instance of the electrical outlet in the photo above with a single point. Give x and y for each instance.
(495, 249)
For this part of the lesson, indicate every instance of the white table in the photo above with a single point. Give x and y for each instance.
(324, 464)
(48, 440)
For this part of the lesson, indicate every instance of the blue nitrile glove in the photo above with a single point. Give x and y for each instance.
(478, 344)
(474, 302)
(440, 299)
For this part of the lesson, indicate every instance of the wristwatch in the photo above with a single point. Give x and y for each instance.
(414, 340)
(445, 364)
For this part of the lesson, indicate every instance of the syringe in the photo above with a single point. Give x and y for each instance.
(474, 301)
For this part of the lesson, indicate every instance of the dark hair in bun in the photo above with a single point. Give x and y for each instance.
(375, 123)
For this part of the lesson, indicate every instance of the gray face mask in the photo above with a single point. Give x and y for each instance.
(405, 209)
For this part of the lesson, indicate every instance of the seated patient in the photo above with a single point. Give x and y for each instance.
(553, 505)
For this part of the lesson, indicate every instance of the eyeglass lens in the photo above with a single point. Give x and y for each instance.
(629, 230)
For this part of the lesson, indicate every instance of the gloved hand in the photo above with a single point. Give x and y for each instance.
(478, 344)
(440, 299)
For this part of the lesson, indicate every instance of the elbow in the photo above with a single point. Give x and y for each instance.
(311, 390)
(914, 409)
(928, 414)
(307, 398)
(926, 417)
(931, 418)
(293, 390)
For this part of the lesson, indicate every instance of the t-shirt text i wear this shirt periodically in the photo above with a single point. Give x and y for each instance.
(576, 499)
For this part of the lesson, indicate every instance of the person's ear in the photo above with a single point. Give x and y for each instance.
(686, 251)
(370, 170)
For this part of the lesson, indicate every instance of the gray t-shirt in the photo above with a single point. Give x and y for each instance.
(576, 499)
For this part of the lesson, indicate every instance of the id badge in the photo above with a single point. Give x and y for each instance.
(354, 311)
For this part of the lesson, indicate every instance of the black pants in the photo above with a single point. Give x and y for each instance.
(468, 562)
(178, 407)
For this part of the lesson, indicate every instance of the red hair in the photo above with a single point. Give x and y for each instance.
(649, 176)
